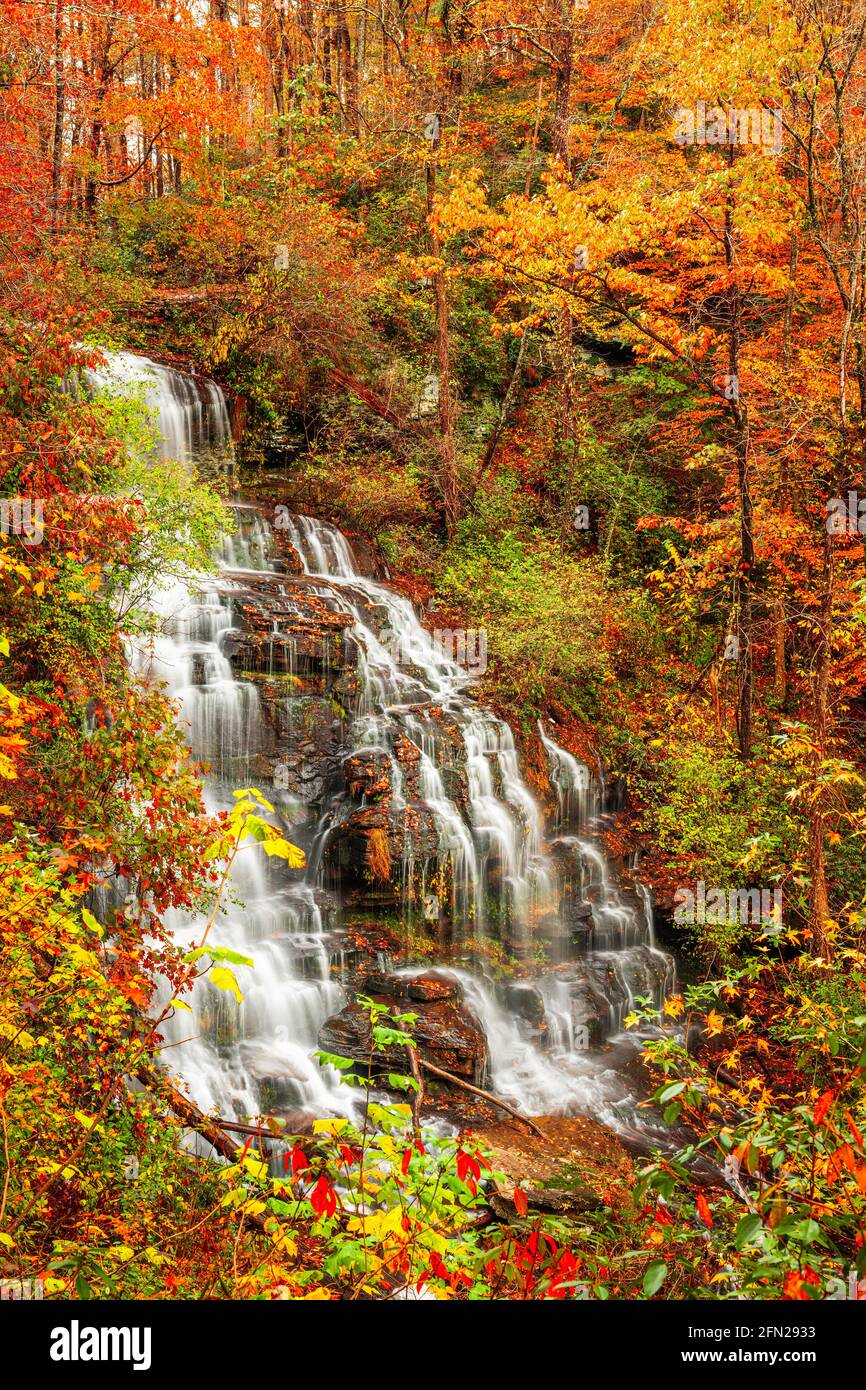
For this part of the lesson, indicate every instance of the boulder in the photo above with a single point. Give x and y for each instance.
(445, 1031)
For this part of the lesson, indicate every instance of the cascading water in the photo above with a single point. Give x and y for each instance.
(190, 413)
(471, 838)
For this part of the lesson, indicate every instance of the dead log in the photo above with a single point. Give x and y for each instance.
(255, 1131)
(545, 1201)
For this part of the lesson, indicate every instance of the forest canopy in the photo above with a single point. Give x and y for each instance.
(432, 637)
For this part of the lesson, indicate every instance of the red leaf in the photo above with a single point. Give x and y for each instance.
(407, 1159)
(795, 1284)
(323, 1198)
(824, 1103)
(704, 1212)
(520, 1201)
(467, 1166)
(299, 1161)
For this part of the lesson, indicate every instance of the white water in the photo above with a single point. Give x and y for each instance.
(502, 874)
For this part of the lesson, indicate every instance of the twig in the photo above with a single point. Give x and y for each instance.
(485, 1095)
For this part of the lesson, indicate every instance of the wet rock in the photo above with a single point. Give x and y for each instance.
(577, 913)
(370, 845)
(589, 1004)
(445, 1032)
(432, 984)
(525, 1001)
(368, 773)
(373, 939)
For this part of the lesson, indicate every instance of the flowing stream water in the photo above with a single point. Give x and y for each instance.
(484, 861)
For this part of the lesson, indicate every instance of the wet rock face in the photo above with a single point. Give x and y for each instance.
(445, 1031)
(524, 1000)
(302, 659)
(368, 773)
(367, 847)
(433, 985)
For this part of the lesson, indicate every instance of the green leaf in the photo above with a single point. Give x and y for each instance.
(222, 953)
(331, 1059)
(402, 1083)
(654, 1277)
(747, 1231)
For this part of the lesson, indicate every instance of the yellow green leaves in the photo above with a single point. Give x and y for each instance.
(121, 1253)
(223, 978)
(90, 921)
(283, 849)
(244, 822)
(219, 974)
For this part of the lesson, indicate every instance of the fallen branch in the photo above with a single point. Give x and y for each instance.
(369, 397)
(485, 1095)
(257, 1131)
(212, 1130)
(187, 1111)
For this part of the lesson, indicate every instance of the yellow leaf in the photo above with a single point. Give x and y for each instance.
(329, 1126)
(121, 1252)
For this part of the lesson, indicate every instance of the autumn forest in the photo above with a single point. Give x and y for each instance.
(432, 660)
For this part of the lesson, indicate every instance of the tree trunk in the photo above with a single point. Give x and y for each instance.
(59, 105)
(817, 816)
(450, 486)
(564, 68)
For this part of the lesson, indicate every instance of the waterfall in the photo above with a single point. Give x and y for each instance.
(342, 657)
(190, 415)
